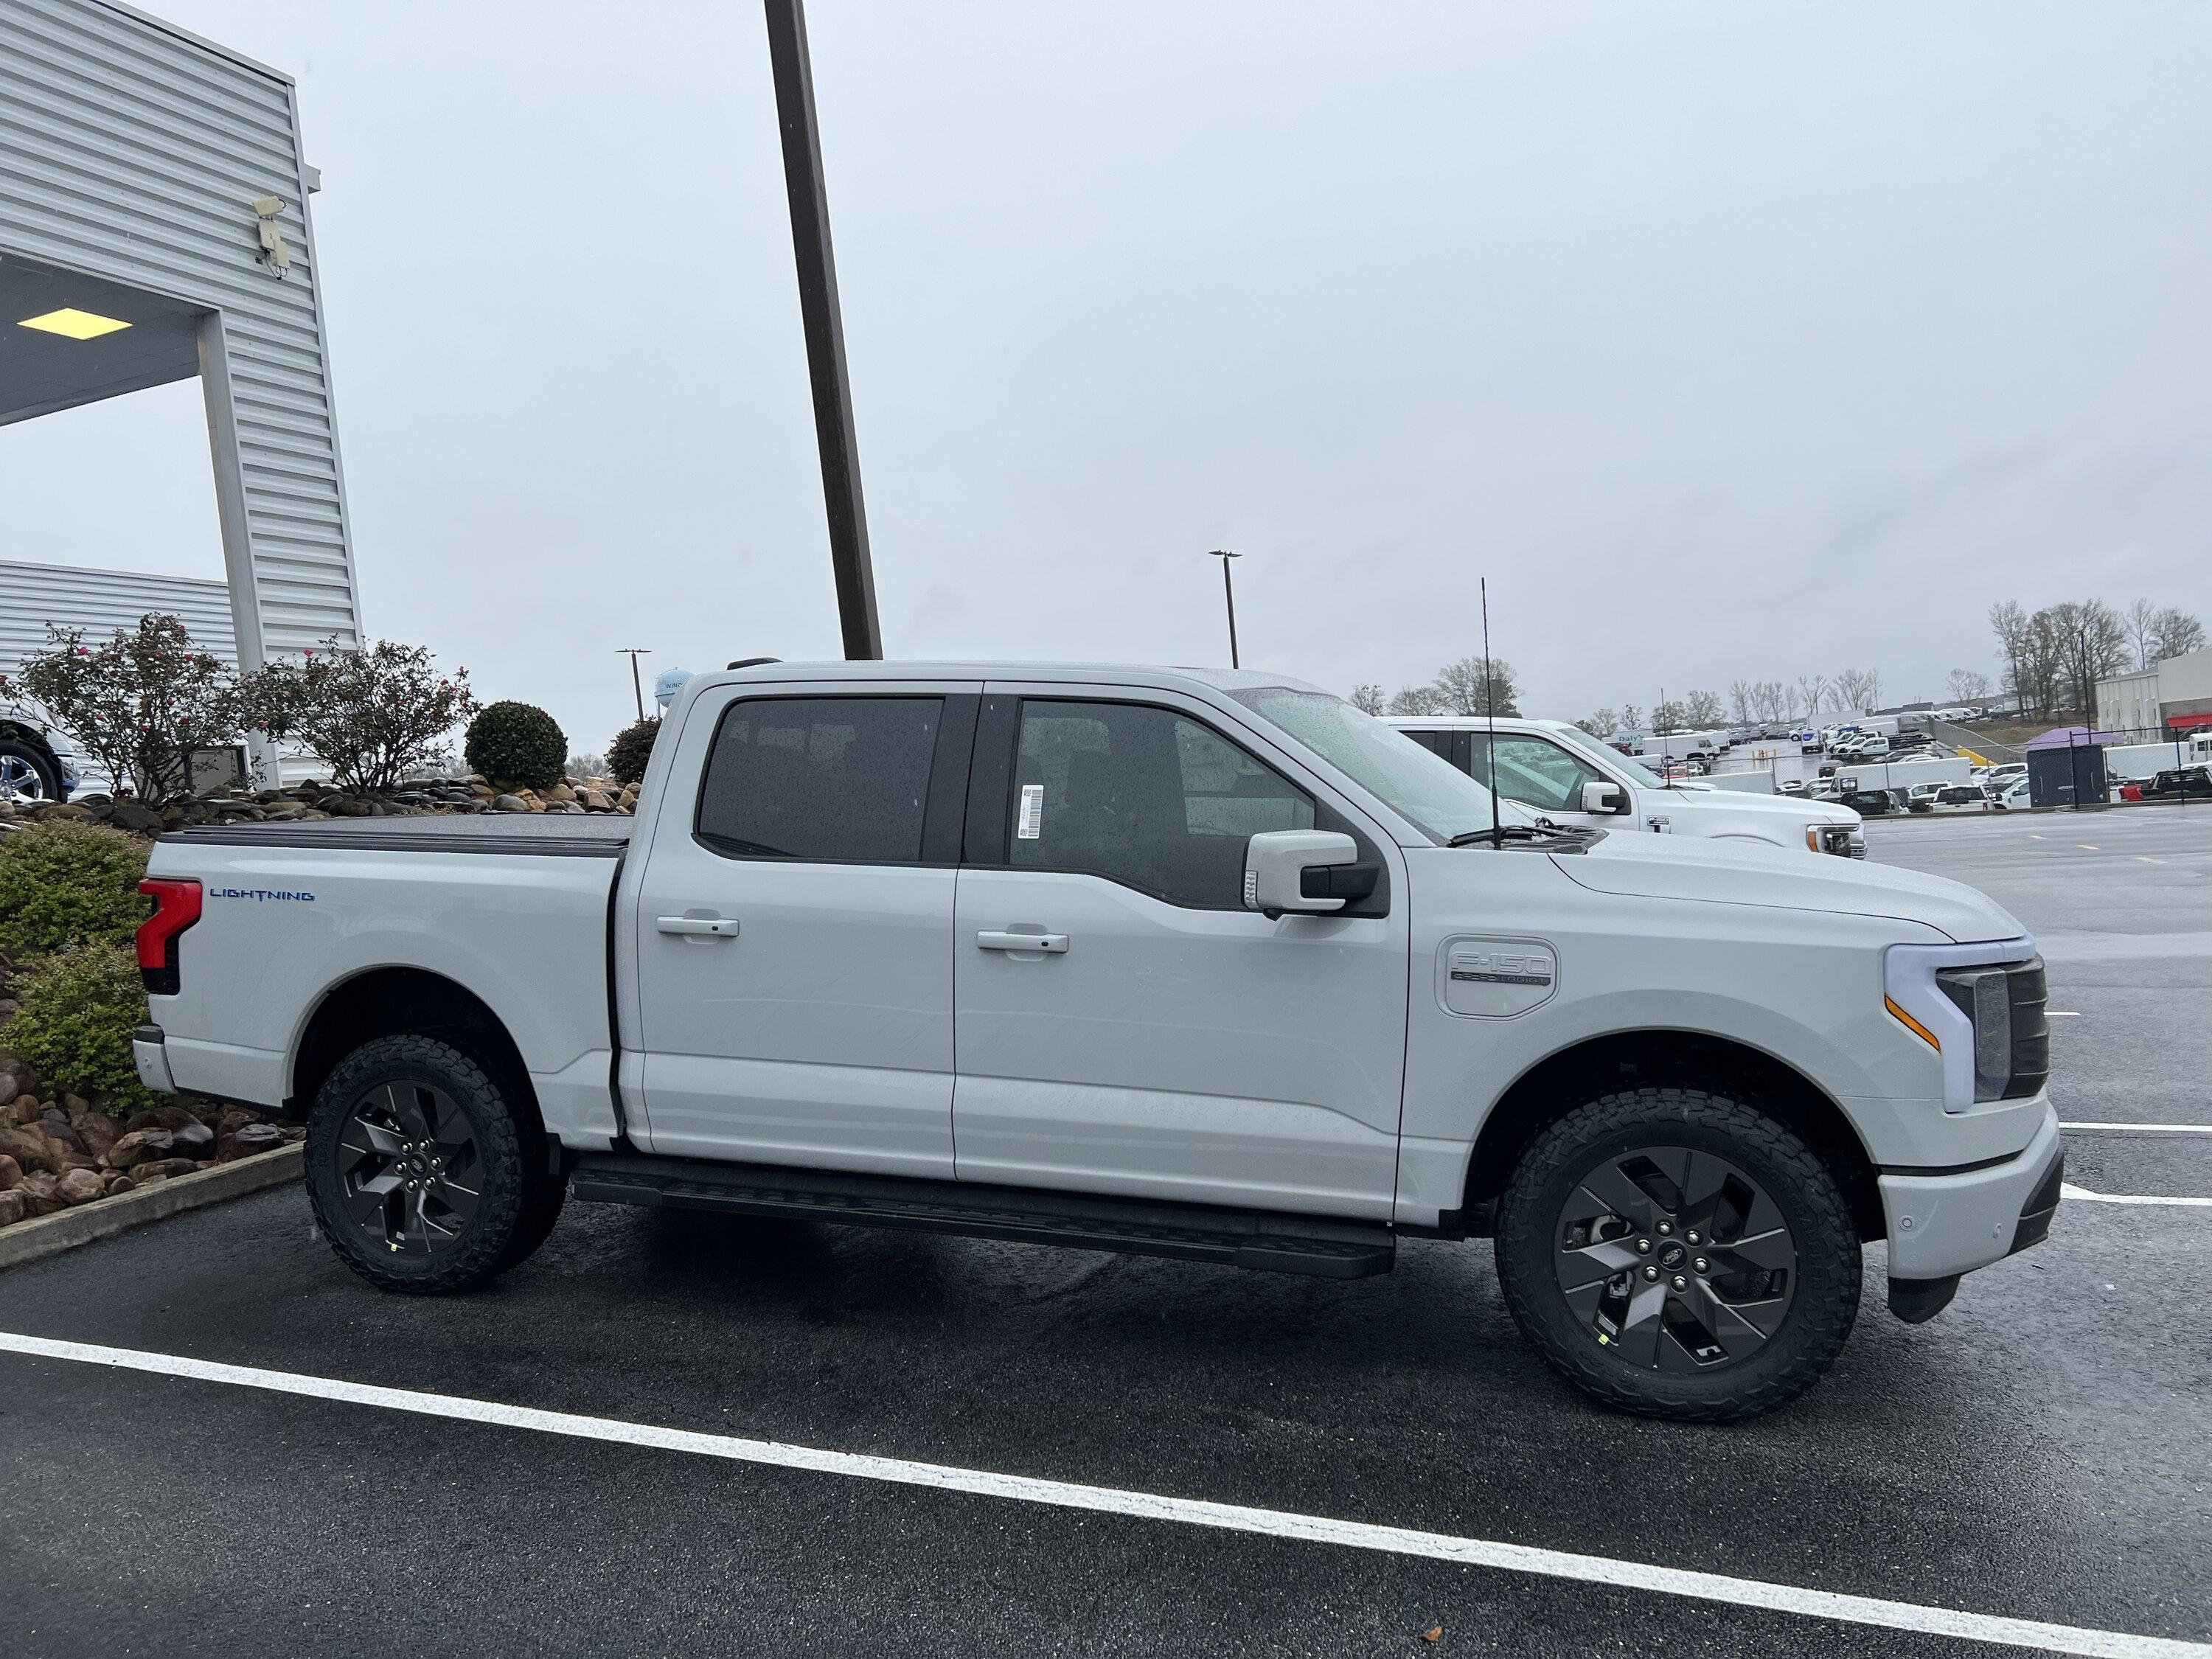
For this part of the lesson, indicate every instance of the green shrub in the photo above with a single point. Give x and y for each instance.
(79, 1008)
(632, 747)
(513, 744)
(64, 883)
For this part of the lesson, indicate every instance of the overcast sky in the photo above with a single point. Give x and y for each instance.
(1743, 340)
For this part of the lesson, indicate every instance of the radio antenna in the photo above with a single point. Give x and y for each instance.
(1490, 705)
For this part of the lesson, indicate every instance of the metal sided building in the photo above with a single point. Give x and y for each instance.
(153, 226)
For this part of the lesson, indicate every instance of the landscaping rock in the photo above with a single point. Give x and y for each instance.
(11, 1173)
(30, 1150)
(138, 1147)
(15, 1205)
(246, 1140)
(118, 1184)
(80, 1186)
(128, 815)
(95, 1131)
(38, 1189)
(54, 1123)
(20, 1111)
(193, 1139)
(161, 1169)
(509, 804)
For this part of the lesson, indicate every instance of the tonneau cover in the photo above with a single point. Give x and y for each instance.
(555, 835)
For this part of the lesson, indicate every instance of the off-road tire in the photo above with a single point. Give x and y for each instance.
(1825, 1297)
(515, 1205)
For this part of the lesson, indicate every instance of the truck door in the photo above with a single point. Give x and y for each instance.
(791, 927)
(1158, 1040)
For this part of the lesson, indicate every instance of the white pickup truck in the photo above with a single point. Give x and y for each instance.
(1208, 965)
(1570, 778)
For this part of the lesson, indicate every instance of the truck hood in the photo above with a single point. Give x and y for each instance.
(1750, 873)
(1697, 797)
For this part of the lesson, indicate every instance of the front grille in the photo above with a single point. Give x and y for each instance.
(2004, 1003)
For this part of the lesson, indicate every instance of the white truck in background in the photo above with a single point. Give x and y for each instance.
(1194, 964)
(1569, 777)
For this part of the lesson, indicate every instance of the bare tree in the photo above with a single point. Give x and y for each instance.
(1418, 700)
(1669, 716)
(1369, 699)
(1967, 685)
(1744, 695)
(1704, 708)
(2176, 634)
(1632, 718)
(1813, 695)
(1773, 702)
(1469, 686)
(1857, 690)
(2010, 623)
(2143, 622)
(1600, 723)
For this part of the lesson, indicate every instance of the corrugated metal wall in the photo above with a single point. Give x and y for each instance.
(101, 601)
(133, 151)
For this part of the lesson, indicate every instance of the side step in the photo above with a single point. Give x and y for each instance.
(1237, 1238)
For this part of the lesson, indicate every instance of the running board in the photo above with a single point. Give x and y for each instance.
(1238, 1238)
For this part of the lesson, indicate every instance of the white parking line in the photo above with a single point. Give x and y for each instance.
(2074, 1195)
(1153, 1506)
(2149, 1128)
(2059, 1013)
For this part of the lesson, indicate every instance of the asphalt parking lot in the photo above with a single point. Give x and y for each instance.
(2043, 1451)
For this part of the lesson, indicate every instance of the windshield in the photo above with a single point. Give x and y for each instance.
(1424, 787)
(1575, 737)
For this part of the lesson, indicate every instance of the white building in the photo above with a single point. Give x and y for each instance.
(154, 227)
(2175, 695)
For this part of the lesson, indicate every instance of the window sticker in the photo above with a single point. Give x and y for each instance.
(1030, 820)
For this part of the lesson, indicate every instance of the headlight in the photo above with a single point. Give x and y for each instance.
(1981, 1008)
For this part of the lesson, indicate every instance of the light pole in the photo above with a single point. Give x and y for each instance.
(636, 685)
(1229, 593)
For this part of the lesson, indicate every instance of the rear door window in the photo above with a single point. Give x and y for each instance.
(830, 780)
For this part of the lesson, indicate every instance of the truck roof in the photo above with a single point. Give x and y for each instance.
(1151, 676)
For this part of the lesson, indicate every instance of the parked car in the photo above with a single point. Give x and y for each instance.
(36, 762)
(2181, 783)
(2010, 796)
(1558, 770)
(1160, 961)
(1874, 803)
(1960, 794)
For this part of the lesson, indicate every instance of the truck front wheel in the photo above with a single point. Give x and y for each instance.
(1677, 1255)
(424, 1176)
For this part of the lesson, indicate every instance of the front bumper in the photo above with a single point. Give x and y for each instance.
(1942, 1226)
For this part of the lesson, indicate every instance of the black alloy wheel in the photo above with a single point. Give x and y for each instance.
(427, 1165)
(1675, 1260)
(412, 1171)
(1674, 1253)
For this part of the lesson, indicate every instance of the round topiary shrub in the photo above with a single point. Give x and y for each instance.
(515, 744)
(64, 884)
(632, 747)
(79, 1009)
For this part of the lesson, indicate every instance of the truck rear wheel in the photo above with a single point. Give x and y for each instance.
(1677, 1255)
(424, 1176)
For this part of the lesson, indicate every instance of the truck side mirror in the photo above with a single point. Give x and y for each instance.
(1604, 798)
(1302, 871)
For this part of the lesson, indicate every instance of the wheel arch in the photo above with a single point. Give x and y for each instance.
(393, 1002)
(1555, 1085)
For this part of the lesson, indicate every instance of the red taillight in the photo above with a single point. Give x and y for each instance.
(176, 906)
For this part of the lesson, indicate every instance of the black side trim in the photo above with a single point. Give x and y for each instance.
(1311, 1245)
(946, 809)
(2042, 1205)
(400, 840)
(1950, 1169)
(1917, 1301)
(989, 778)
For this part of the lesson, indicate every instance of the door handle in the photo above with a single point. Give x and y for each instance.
(992, 939)
(711, 926)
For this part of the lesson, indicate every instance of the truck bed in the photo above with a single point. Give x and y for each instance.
(556, 835)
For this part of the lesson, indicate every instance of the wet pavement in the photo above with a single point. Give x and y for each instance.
(2041, 1451)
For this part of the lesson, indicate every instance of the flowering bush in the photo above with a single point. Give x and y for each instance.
(138, 705)
(374, 714)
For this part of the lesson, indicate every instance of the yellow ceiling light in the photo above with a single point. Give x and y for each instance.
(74, 324)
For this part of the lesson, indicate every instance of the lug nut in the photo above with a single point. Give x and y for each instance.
(1651, 1272)
(1644, 1247)
(1666, 1226)
(1692, 1237)
(1680, 1283)
(1700, 1264)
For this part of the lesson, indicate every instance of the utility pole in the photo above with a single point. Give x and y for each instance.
(825, 330)
(1229, 592)
(636, 685)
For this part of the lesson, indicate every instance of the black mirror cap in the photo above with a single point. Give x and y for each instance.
(1339, 881)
